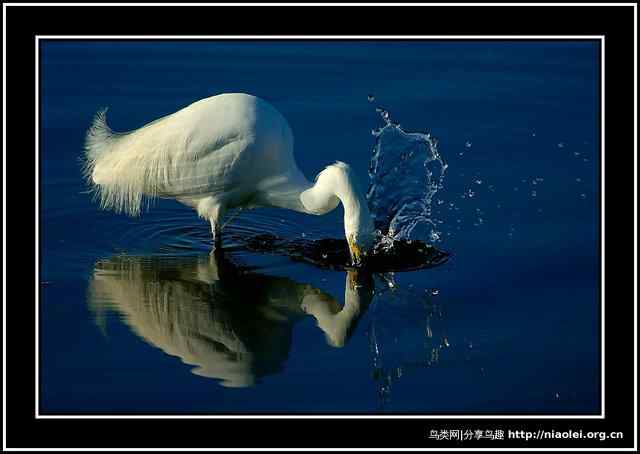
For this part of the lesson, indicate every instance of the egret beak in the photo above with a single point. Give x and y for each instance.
(355, 251)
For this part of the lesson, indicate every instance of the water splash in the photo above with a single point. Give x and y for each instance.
(405, 173)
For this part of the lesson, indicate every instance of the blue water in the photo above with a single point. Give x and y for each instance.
(510, 324)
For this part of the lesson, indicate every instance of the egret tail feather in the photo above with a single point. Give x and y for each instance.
(113, 181)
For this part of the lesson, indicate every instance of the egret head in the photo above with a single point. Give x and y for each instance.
(337, 183)
(358, 224)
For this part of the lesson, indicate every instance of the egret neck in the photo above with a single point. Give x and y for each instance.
(335, 184)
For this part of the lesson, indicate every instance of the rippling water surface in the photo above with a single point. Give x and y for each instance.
(495, 161)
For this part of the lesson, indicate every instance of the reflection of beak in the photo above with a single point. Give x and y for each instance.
(352, 280)
(358, 281)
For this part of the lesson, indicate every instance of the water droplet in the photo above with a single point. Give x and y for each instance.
(478, 182)
(583, 196)
(533, 134)
(534, 193)
(445, 342)
(470, 193)
(578, 180)
(576, 153)
(435, 291)
(561, 145)
(324, 256)
(371, 98)
(397, 158)
(467, 144)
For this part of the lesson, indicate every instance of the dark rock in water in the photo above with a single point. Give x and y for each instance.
(334, 253)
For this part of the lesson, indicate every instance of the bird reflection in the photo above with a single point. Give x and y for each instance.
(230, 322)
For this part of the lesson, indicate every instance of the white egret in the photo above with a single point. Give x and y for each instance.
(228, 151)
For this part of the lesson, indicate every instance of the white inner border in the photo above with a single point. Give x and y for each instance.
(601, 38)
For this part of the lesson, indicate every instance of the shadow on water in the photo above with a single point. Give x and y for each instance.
(333, 253)
(234, 323)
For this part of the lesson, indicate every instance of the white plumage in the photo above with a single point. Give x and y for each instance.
(227, 151)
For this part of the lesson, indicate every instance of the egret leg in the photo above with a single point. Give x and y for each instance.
(213, 210)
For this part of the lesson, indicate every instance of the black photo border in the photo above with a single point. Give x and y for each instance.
(23, 23)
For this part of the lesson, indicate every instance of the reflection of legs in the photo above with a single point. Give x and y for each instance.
(216, 233)
(210, 271)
